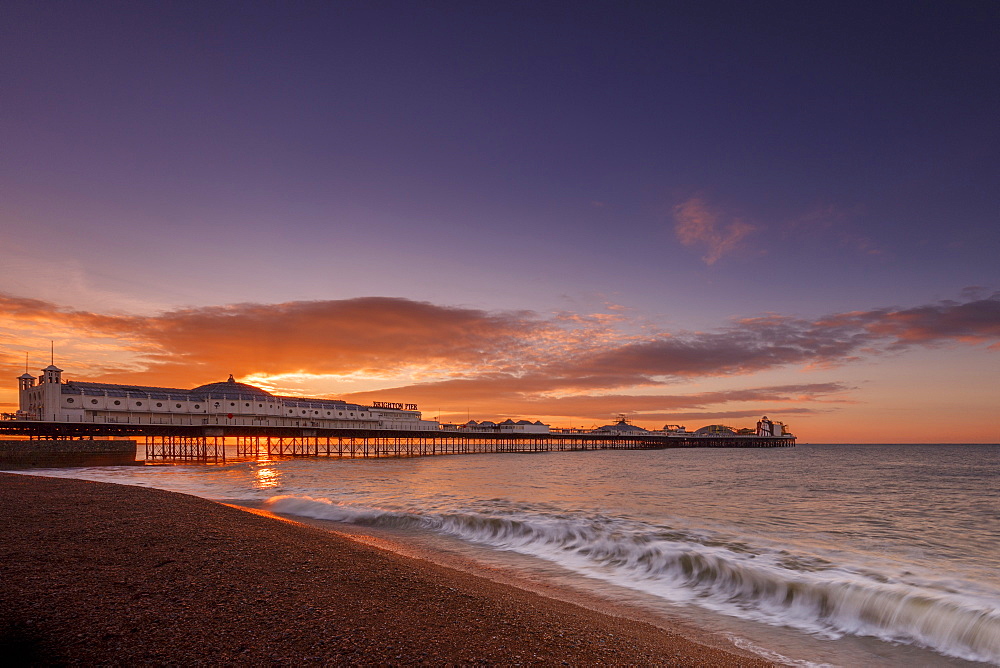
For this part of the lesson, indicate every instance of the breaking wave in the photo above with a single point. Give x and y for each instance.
(762, 583)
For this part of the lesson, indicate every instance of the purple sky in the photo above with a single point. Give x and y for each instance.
(684, 164)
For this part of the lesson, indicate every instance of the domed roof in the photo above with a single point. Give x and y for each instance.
(231, 387)
(621, 427)
(715, 429)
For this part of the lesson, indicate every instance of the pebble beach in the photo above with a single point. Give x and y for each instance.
(104, 574)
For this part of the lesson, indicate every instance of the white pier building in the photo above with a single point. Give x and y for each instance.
(48, 398)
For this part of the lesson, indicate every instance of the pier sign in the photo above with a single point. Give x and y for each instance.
(394, 405)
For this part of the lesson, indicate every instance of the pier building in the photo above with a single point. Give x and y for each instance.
(507, 426)
(48, 398)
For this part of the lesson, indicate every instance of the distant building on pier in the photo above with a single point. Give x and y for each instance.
(622, 426)
(509, 425)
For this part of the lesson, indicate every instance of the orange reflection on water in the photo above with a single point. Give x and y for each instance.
(265, 478)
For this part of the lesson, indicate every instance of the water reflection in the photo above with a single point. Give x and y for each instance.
(266, 477)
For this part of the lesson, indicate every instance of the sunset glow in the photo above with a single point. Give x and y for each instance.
(861, 373)
(562, 216)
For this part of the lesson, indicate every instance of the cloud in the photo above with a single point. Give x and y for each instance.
(502, 396)
(381, 335)
(752, 414)
(766, 342)
(369, 335)
(696, 224)
(518, 362)
(974, 321)
(10, 365)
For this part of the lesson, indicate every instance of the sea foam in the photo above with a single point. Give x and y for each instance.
(757, 582)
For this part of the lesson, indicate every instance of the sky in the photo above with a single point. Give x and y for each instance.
(689, 213)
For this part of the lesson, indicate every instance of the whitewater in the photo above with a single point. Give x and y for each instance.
(817, 555)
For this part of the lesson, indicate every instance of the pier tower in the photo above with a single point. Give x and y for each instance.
(41, 401)
(25, 381)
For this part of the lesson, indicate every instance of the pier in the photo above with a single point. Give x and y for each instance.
(208, 444)
(217, 421)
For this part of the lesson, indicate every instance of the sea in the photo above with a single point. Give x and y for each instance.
(818, 555)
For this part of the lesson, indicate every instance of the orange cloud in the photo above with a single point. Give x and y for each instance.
(372, 334)
(696, 224)
(974, 321)
(380, 335)
(507, 396)
(514, 362)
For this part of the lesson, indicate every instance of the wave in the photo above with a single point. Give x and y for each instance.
(754, 582)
